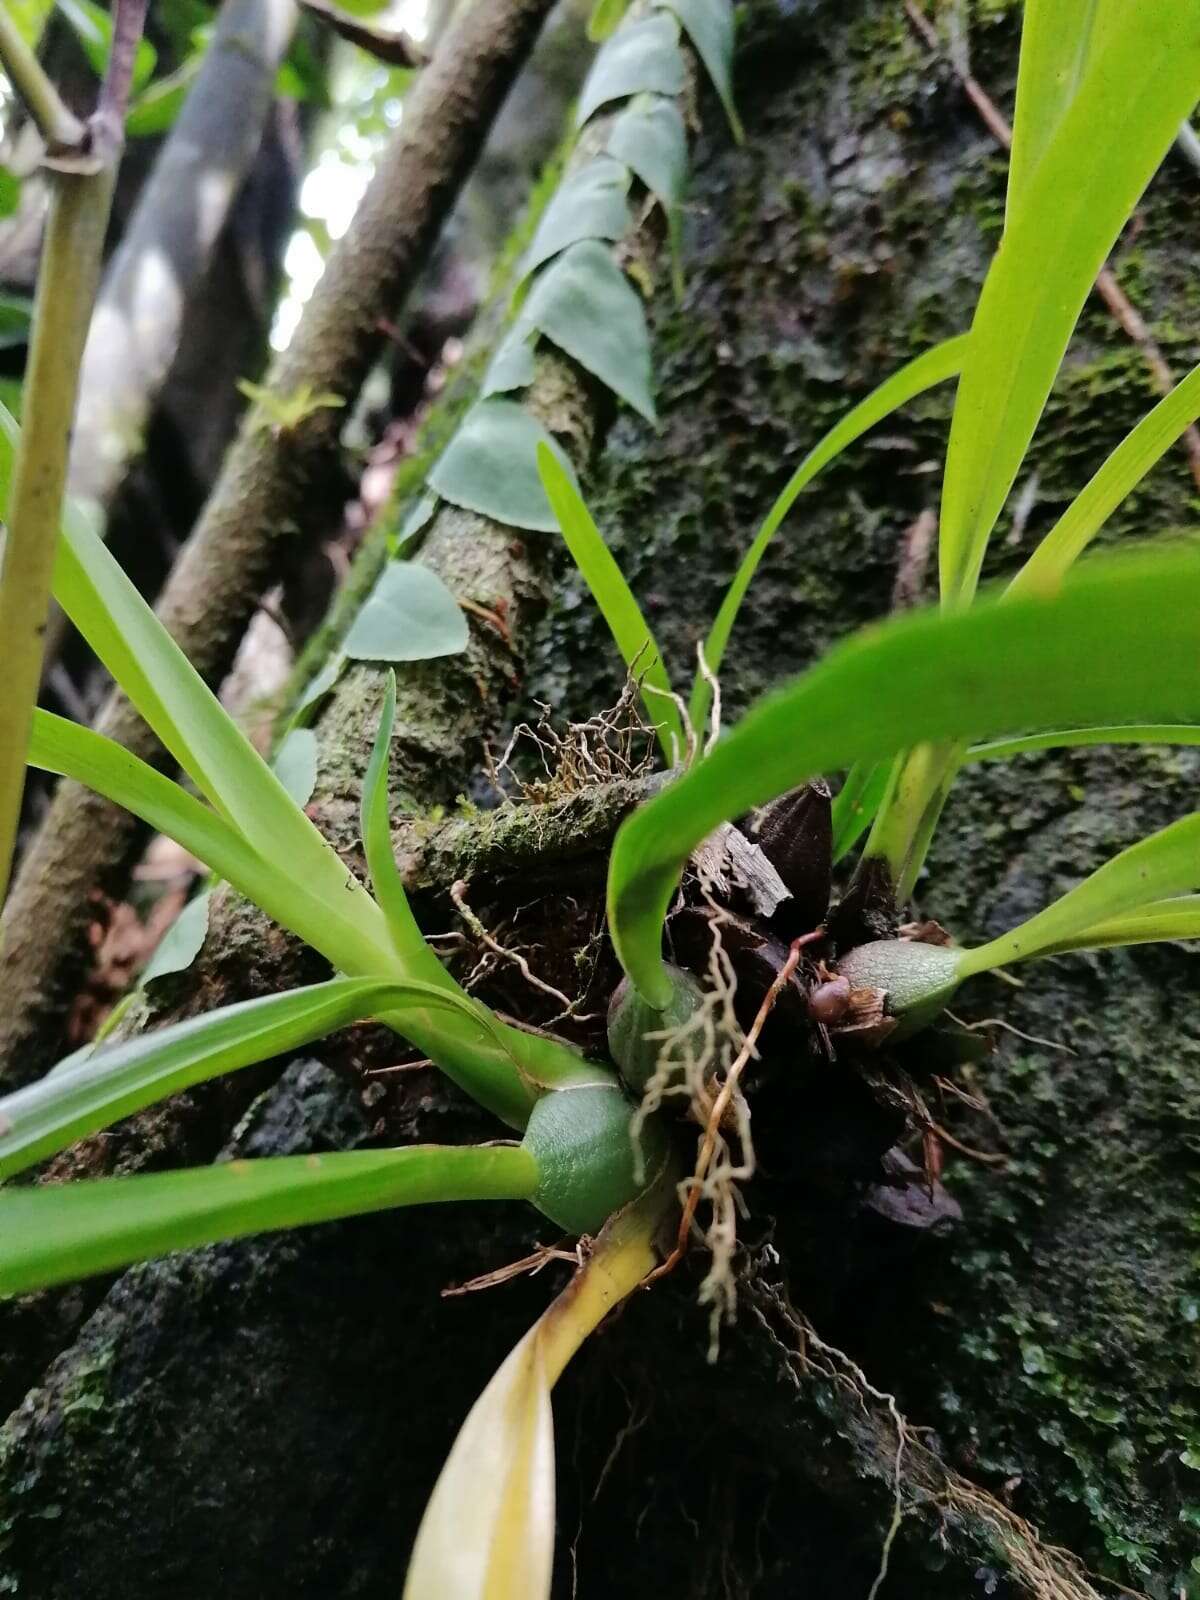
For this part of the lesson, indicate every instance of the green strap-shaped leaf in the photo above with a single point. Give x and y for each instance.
(932, 367)
(641, 57)
(418, 958)
(709, 25)
(1123, 471)
(117, 1080)
(856, 803)
(1056, 37)
(1175, 918)
(1165, 864)
(1139, 84)
(53, 1233)
(604, 578)
(490, 466)
(57, 745)
(1060, 738)
(586, 305)
(503, 1070)
(189, 719)
(590, 203)
(1118, 642)
(410, 615)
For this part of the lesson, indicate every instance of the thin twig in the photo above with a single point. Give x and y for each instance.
(108, 121)
(1107, 287)
(59, 127)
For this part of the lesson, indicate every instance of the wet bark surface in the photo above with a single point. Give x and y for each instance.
(268, 1417)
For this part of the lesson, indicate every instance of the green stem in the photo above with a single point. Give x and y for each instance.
(58, 1232)
(58, 126)
(67, 280)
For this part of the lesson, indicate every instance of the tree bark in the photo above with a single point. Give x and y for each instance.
(269, 1416)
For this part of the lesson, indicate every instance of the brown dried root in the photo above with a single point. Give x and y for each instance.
(692, 1058)
(885, 1444)
(614, 744)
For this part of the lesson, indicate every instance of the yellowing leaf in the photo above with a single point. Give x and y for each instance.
(488, 1531)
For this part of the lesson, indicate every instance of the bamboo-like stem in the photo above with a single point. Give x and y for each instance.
(70, 271)
(68, 277)
(58, 126)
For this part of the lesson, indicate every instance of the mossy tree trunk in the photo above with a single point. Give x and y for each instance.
(268, 1417)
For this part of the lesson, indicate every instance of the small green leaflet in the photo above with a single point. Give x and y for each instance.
(585, 305)
(16, 313)
(159, 104)
(10, 195)
(410, 615)
(640, 57)
(490, 466)
(317, 688)
(709, 25)
(1165, 864)
(182, 942)
(590, 203)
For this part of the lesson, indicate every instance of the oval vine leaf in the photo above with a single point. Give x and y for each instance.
(709, 25)
(490, 465)
(590, 204)
(585, 304)
(649, 137)
(182, 942)
(644, 56)
(295, 764)
(419, 517)
(512, 365)
(410, 615)
(318, 687)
